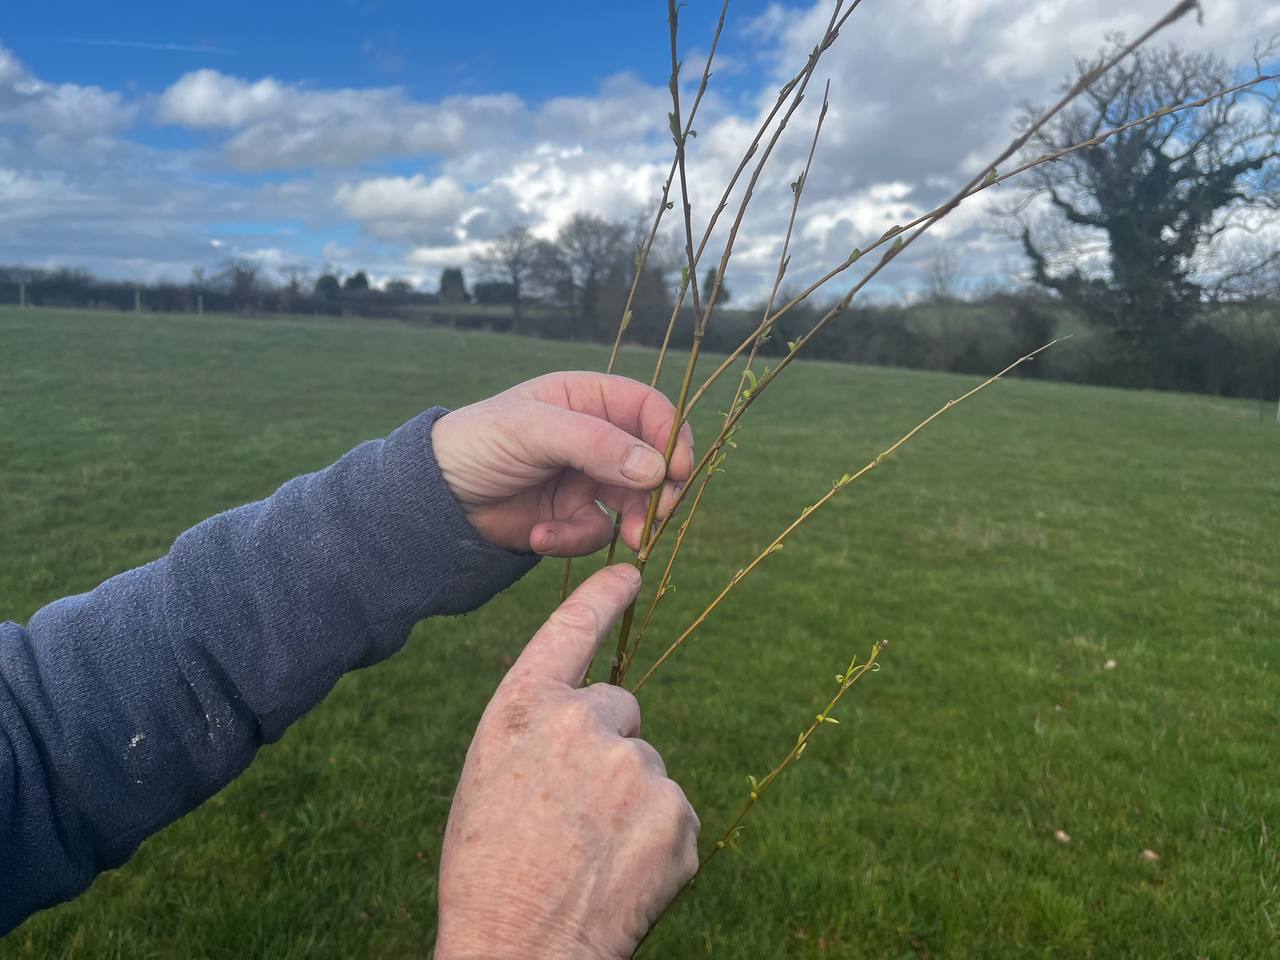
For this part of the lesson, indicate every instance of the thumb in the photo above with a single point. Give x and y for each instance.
(562, 649)
(554, 437)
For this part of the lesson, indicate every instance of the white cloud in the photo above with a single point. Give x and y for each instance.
(281, 126)
(207, 98)
(67, 110)
(921, 96)
(405, 208)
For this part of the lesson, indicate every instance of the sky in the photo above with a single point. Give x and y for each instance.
(142, 140)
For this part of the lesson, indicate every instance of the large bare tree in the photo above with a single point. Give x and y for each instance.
(511, 258)
(590, 249)
(1132, 223)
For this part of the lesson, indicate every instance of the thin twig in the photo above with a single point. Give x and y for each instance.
(775, 545)
(980, 182)
(852, 674)
(664, 203)
(797, 85)
(564, 584)
(936, 213)
(680, 133)
(664, 584)
(642, 255)
(784, 260)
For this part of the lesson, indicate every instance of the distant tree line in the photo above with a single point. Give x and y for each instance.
(1157, 199)
(239, 286)
(1238, 342)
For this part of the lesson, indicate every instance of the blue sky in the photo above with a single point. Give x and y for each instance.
(144, 139)
(543, 49)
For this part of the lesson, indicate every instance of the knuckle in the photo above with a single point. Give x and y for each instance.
(624, 700)
(650, 756)
(517, 685)
(689, 861)
(644, 753)
(678, 806)
(621, 756)
(576, 714)
(577, 617)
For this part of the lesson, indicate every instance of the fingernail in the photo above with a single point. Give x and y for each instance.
(549, 539)
(642, 464)
(627, 572)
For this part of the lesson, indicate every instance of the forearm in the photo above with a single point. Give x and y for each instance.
(124, 708)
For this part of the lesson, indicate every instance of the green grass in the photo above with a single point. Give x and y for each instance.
(1010, 551)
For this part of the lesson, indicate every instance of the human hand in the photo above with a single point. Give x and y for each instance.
(528, 465)
(566, 839)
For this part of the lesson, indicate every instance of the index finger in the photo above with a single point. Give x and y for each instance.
(630, 405)
(562, 649)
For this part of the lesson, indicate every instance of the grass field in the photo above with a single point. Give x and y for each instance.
(1008, 554)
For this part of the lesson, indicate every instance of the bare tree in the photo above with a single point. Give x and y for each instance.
(942, 276)
(199, 284)
(511, 258)
(1161, 194)
(297, 285)
(590, 248)
(241, 279)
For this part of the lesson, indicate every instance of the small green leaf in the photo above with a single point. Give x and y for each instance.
(626, 320)
(831, 720)
(856, 255)
(992, 177)
(792, 346)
